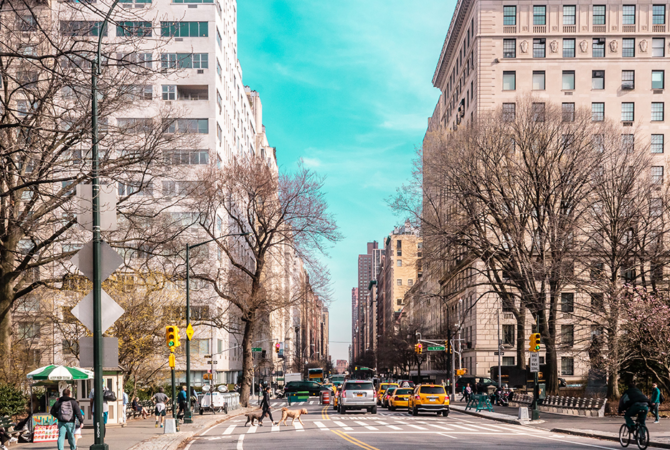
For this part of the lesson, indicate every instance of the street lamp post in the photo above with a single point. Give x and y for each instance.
(98, 423)
(188, 415)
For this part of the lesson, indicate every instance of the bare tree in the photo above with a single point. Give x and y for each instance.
(278, 211)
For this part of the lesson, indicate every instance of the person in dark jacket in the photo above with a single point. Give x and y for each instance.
(66, 410)
(655, 400)
(265, 404)
(182, 398)
(633, 401)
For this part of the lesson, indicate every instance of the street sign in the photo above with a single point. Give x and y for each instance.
(438, 348)
(83, 260)
(212, 362)
(256, 349)
(111, 311)
(84, 207)
(189, 332)
(208, 356)
(499, 353)
(534, 362)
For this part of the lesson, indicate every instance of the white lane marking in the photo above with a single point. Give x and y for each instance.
(321, 426)
(298, 427)
(446, 435)
(461, 427)
(189, 444)
(343, 425)
(239, 443)
(230, 429)
(573, 442)
(275, 428)
(207, 431)
(253, 429)
(312, 403)
(441, 428)
(417, 427)
(363, 424)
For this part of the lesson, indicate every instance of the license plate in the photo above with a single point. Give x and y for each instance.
(359, 395)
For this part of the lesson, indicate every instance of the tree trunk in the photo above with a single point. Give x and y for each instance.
(247, 360)
(613, 358)
(6, 299)
(521, 338)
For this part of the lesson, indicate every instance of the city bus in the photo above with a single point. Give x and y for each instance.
(363, 373)
(315, 375)
(337, 379)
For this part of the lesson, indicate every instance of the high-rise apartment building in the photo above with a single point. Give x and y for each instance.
(607, 57)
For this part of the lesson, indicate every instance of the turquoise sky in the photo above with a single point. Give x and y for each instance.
(346, 86)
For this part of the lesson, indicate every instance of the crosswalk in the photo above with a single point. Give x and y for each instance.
(371, 424)
(285, 403)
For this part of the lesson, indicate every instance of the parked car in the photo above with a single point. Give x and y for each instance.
(357, 394)
(312, 387)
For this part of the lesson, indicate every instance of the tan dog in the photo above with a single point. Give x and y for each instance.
(254, 416)
(293, 414)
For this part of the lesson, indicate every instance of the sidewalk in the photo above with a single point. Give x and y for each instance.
(142, 434)
(597, 427)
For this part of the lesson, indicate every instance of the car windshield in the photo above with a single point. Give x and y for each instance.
(293, 384)
(391, 390)
(432, 390)
(357, 386)
(402, 392)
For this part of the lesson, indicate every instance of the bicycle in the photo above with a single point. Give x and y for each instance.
(640, 434)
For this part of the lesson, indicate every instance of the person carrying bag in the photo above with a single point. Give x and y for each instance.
(66, 410)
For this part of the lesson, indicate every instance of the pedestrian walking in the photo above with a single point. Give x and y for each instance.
(66, 410)
(182, 398)
(656, 400)
(464, 394)
(124, 416)
(468, 392)
(105, 405)
(265, 405)
(78, 425)
(160, 400)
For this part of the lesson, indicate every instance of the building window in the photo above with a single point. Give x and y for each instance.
(659, 15)
(568, 110)
(567, 365)
(598, 79)
(627, 79)
(599, 48)
(200, 346)
(567, 335)
(410, 282)
(567, 302)
(184, 29)
(628, 47)
(599, 14)
(509, 81)
(539, 48)
(658, 79)
(568, 48)
(398, 301)
(169, 92)
(140, 29)
(399, 263)
(538, 112)
(509, 334)
(627, 111)
(628, 15)
(597, 299)
(568, 80)
(509, 112)
(509, 15)
(657, 174)
(179, 157)
(508, 360)
(657, 111)
(509, 48)
(539, 15)
(29, 330)
(569, 15)
(198, 126)
(628, 143)
(658, 47)
(538, 81)
(657, 143)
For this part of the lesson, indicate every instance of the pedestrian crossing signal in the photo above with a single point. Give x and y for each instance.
(535, 339)
(172, 337)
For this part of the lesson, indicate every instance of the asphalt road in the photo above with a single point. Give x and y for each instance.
(324, 429)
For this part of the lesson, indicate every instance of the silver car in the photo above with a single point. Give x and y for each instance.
(358, 394)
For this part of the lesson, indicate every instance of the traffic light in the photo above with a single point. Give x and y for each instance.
(447, 347)
(418, 348)
(277, 347)
(172, 337)
(535, 342)
(172, 360)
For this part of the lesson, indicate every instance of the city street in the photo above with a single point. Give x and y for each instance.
(325, 429)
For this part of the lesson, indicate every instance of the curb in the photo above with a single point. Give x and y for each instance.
(603, 436)
(160, 443)
(486, 416)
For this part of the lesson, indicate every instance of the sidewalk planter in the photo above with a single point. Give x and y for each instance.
(569, 406)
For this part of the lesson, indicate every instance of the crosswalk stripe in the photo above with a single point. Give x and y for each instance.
(275, 428)
(230, 429)
(441, 428)
(252, 429)
(363, 424)
(417, 427)
(321, 426)
(312, 403)
(460, 426)
(239, 443)
(343, 425)
(298, 427)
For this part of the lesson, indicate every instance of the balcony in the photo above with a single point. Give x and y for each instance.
(510, 29)
(569, 28)
(539, 29)
(658, 28)
(599, 28)
(194, 93)
(628, 28)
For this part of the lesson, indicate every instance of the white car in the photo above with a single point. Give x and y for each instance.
(357, 394)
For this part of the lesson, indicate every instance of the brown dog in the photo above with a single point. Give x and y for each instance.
(293, 414)
(254, 416)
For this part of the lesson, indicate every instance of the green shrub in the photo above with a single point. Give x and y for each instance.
(12, 400)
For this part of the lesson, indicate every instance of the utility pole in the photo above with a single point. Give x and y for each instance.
(499, 353)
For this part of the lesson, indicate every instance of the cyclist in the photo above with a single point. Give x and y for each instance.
(633, 401)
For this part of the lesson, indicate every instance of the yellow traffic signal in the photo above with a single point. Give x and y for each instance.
(418, 348)
(277, 347)
(172, 360)
(172, 337)
(535, 339)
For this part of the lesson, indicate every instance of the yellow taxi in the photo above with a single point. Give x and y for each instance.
(382, 389)
(336, 395)
(429, 398)
(400, 398)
